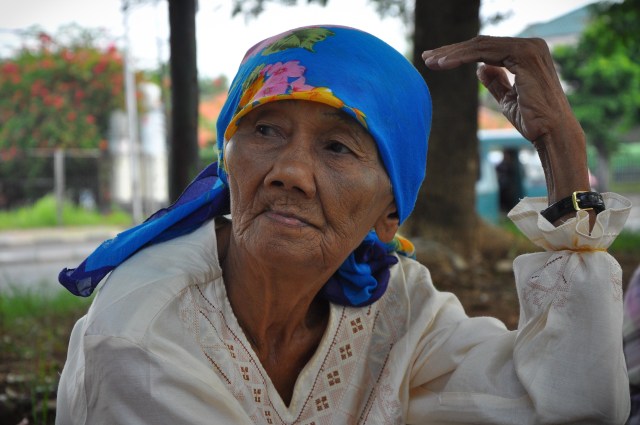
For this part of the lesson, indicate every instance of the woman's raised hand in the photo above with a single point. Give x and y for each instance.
(535, 104)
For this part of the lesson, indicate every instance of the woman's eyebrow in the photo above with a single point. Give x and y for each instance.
(267, 113)
(347, 119)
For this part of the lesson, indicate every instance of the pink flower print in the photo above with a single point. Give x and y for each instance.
(282, 78)
(299, 85)
(279, 70)
(271, 88)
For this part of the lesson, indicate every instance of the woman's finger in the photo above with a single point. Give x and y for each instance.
(505, 52)
(495, 80)
(478, 49)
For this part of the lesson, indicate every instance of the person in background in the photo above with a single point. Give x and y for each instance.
(510, 175)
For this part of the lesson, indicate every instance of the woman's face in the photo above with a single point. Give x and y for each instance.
(306, 184)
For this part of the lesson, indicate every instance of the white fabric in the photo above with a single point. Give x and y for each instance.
(161, 345)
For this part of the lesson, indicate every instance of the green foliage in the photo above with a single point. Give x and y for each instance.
(43, 214)
(604, 74)
(35, 329)
(213, 86)
(208, 154)
(58, 94)
(626, 243)
(256, 7)
(395, 8)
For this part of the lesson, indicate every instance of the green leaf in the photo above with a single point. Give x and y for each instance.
(304, 38)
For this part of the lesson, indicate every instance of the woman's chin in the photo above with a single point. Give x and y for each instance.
(301, 247)
(298, 254)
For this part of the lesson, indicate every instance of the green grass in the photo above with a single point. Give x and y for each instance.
(37, 304)
(35, 323)
(35, 327)
(44, 214)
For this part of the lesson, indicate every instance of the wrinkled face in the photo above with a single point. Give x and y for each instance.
(306, 183)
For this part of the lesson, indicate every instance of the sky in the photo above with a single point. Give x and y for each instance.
(222, 40)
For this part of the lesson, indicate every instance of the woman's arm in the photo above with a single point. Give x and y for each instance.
(535, 103)
(565, 362)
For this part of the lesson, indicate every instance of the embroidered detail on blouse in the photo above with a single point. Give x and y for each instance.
(351, 382)
(615, 271)
(548, 285)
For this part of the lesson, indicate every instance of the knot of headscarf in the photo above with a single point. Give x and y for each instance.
(344, 68)
(363, 277)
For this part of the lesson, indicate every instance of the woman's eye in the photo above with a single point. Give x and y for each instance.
(266, 130)
(338, 147)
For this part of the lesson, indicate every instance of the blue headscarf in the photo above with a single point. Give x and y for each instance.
(342, 67)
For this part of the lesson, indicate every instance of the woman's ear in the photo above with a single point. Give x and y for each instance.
(387, 225)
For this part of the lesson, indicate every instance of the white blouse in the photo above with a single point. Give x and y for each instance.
(161, 345)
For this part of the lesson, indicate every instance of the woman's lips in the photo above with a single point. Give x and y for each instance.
(286, 218)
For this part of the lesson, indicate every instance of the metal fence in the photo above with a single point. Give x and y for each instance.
(74, 174)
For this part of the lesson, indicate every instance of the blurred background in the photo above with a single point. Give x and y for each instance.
(108, 109)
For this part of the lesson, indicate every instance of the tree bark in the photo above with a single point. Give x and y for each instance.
(445, 210)
(183, 149)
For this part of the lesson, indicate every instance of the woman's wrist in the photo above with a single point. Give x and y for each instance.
(563, 156)
(564, 160)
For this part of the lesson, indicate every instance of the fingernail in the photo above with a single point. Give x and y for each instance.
(442, 60)
(426, 54)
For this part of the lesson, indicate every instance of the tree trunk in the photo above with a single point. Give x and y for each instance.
(445, 210)
(183, 149)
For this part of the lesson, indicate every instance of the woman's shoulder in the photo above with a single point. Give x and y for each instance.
(190, 257)
(412, 276)
(412, 287)
(150, 280)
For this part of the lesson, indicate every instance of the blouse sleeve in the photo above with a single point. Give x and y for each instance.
(565, 362)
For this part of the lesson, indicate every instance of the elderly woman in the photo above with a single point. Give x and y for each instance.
(305, 306)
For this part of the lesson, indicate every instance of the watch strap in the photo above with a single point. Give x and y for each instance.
(579, 200)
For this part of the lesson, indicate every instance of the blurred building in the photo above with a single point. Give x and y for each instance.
(151, 151)
(563, 30)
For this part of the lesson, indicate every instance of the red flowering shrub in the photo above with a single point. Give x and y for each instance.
(54, 95)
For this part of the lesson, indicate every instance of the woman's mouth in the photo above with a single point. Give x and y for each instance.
(287, 218)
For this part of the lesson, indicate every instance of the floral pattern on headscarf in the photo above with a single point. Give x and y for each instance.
(305, 38)
(273, 79)
(268, 82)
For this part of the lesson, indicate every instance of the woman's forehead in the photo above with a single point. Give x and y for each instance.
(305, 109)
(349, 70)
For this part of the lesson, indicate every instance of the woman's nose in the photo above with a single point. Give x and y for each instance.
(293, 169)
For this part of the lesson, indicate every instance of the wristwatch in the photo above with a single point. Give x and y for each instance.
(580, 200)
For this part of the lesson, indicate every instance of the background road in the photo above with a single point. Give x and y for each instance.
(32, 259)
